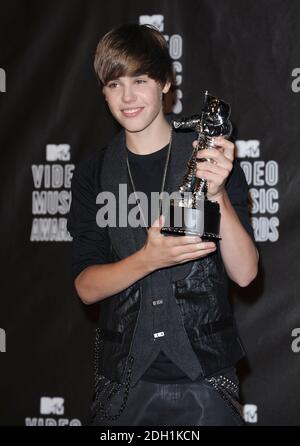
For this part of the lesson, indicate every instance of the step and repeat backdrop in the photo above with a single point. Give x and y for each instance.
(52, 115)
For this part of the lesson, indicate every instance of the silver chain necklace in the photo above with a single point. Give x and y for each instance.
(162, 185)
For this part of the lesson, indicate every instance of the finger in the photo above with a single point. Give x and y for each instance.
(185, 240)
(182, 240)
(220, 141)
(217, 141)
(222, 146)
(211, 177)
(195, 255)
(222, 170)
(195, 143)
(227, 146)
(202, 246)
(214, 156)
(193, 248)
(156, 226)
(214, 166)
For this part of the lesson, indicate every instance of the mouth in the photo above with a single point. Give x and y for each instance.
(131, 112)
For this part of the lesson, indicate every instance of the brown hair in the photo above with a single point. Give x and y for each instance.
(133, 50)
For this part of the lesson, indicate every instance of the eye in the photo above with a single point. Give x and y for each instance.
(140, 81)
(112, 84)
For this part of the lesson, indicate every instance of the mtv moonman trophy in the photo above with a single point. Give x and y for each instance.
(190, 212)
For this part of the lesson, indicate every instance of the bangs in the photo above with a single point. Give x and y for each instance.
(121, 66)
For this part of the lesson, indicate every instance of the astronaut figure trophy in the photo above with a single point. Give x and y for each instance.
(190, 212)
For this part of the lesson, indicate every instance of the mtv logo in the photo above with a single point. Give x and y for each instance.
(58, 152)
(52, 405)
(248, 149)
(2, 81)
(156, 20)
(2, 341)
(250, 413)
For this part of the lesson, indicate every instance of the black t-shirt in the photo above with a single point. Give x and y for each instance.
(92, 245)
(147, 173)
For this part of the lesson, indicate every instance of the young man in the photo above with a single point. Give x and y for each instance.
(167, 342)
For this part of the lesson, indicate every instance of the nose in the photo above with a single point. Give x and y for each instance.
(128, 94)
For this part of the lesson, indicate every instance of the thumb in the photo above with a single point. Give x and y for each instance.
(159, 222)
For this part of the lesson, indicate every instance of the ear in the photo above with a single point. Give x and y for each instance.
(103, 92)
(166, 88)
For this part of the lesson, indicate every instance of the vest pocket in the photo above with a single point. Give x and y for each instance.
(209, 324)
(198, 306)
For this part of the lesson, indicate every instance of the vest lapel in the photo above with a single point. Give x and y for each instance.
(126, 240)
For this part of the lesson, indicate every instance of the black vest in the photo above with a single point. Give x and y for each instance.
(182, 310)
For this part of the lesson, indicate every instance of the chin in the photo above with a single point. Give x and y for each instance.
(134, 127)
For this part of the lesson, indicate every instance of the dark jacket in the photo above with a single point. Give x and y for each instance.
(182, 310)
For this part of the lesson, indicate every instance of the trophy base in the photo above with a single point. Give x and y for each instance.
(203, 221)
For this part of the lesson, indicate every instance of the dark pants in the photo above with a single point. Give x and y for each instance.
(198, 403)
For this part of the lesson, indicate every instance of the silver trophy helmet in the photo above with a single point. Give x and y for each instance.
(215, 117)
(214, 120)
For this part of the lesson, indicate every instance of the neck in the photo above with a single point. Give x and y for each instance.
(151, 139)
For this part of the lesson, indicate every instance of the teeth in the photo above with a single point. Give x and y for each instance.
(131, 110)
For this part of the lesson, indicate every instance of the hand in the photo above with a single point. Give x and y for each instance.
(161, 251)
(215, 166)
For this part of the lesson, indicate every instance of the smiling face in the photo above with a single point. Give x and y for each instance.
(135, 101)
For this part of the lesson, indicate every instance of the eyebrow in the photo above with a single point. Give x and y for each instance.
(132, 77)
